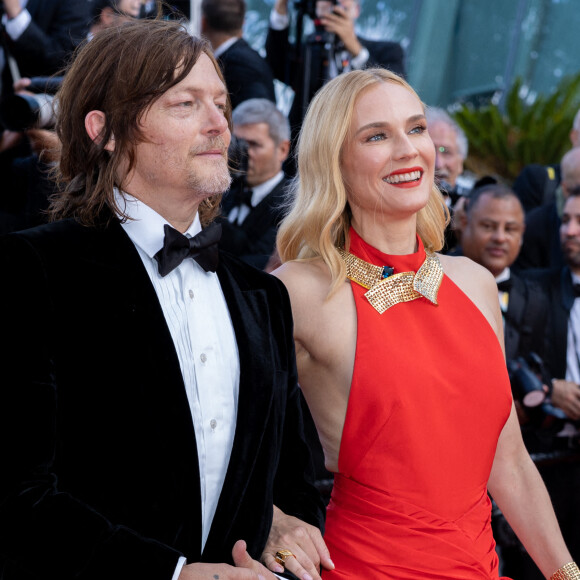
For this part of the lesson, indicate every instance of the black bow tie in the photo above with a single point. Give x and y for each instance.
(203, 248)
(505, 285)
(245, 196)
(576, 289)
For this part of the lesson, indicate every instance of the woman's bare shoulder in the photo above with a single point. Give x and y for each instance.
(466, 273)
(477, 283)
(304, 276)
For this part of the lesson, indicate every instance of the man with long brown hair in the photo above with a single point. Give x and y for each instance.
(149, 410)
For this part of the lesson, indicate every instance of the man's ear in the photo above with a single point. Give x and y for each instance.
(94, 125)
(283, 150)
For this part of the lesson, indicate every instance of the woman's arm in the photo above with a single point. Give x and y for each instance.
(520, 493)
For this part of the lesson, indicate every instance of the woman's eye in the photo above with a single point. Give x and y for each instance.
(377, 137)
(418, 129)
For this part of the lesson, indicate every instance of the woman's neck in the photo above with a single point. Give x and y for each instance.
(396, 238)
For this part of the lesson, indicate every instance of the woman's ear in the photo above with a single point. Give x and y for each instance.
(94, 125)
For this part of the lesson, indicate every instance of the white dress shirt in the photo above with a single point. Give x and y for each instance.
(573, 341)
(199, 321)
(17, 25)
(239, 213)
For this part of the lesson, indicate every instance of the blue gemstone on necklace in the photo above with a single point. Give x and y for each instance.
(388, 271)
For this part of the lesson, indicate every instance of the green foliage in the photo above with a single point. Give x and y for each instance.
(501, 143)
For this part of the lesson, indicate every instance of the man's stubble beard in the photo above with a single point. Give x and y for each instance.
(215, 183)
(216, 179)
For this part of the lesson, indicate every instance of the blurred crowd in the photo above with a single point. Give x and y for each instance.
(526, 233)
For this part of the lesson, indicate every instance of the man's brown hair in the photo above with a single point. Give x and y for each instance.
(122, 71)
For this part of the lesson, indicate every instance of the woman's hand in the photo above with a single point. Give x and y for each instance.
(303, 540)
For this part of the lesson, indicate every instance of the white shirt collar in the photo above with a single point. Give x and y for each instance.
(224, 46)
(259, 192)
(145, 226)
(503, 276)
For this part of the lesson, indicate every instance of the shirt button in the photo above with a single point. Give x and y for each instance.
(191, 294)
(203, 357)
(213, 423)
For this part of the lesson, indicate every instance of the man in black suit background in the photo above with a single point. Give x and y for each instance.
(559, 441)
(535, 315)
(541, 247)
(335, 24)
(255, 205)
(150, 421)
(492, 230)
(247, 75)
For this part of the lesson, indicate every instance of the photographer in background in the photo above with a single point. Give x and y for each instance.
(451, 147)
(559, 443)
(333, 48)
(39, 36)
(536, 309)
(254, 205)
(28, 149)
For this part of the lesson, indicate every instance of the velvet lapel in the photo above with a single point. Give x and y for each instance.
(249, 314)
(516, 300)
(112, 254)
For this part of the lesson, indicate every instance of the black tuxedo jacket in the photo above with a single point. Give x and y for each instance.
(100, 476)
(557, 283)
(247, 74)
(57, 27)
(254, 240)
(541, 246)
(526, 318)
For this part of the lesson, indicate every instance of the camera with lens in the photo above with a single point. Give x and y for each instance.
(527, 378)
(238, 158)
(21, 111)
(308, 7)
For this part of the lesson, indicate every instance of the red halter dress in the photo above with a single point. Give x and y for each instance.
(429, 397)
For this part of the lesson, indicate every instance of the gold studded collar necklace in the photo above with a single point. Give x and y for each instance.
(385, 289)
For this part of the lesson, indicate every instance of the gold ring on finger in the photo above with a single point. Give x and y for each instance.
(283, 555)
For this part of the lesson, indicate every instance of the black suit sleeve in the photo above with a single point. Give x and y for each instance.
(279, 55)
(386, 54)
(247, 74)
(294, 491)
(45, 531)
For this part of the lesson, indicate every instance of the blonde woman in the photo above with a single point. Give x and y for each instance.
(399, 352)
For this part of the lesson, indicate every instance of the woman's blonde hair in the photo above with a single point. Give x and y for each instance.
(319, 218)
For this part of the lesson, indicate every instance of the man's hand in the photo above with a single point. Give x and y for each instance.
(339, 22)
(10, 139)
(281, 7)
(245, 568)
(303, 540)
(45, 144)
(566, 396)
